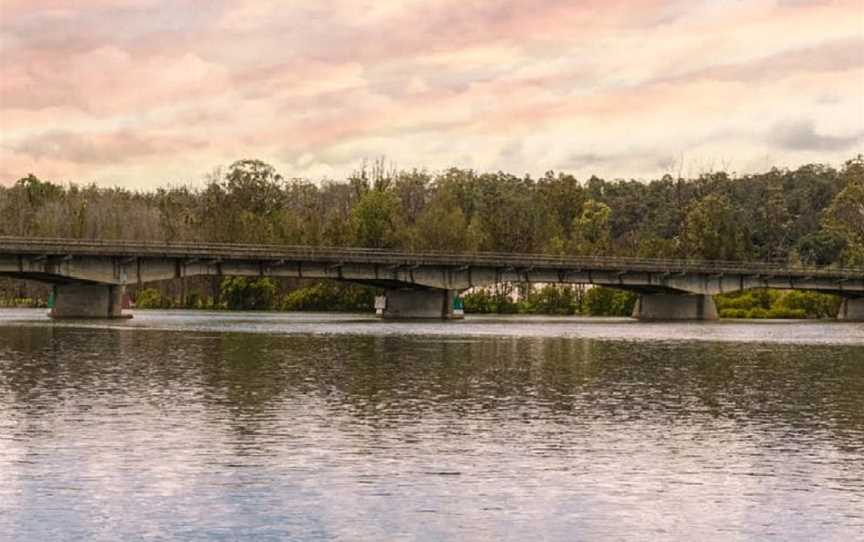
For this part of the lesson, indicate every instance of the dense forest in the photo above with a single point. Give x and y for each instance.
(811, 215)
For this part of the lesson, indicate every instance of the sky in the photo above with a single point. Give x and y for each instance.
(144, 93)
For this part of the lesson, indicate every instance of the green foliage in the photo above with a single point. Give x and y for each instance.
(195, 300)
(552, 299)
(254, 187)
(808, 304)
(38, 192)
(330, 296)
(813, 214)
(600, 301)
(713, 231)
(151, 298)
(549, 299)
(442, 225)
(845, 216)
(733, 313)
(655, 247)
(759, 313)
(240, 293)
(777, 304)
(591, 231)
(374, 219)
(498, 299)
(23, 303)
(822, 248)
(745, 300)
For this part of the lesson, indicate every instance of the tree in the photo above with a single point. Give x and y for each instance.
(373, 219)
(713, 230)
(504, 209)
(770, 219)
(250, 200)
(239, 293)
(814, 213)
(845, 216)
(599, 301)
(824, 247)
(442, 225)
(253, 186)
(562, 196)
(591, 232)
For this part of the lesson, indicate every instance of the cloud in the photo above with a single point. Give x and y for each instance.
(148, 89)
(833, 55)
(103, 148)
(107, 80)
(801, 135)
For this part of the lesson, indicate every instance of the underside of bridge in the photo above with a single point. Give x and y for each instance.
(76, 298)
(89, 277)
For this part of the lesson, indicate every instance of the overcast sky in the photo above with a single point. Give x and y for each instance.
(141, 93)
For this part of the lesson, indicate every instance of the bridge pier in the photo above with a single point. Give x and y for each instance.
(675, 307)
(426, 303)
(80, 300)
(852, 309)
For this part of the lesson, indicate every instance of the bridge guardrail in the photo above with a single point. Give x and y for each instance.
(62, 246)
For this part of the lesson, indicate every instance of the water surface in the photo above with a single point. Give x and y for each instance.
(229, 426)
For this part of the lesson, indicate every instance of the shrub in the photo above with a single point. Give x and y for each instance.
(764, 303)
(783, 312)
(551, 299)
(757, 312)
(599, 301)
(23, 303)
(240, 293)
(733, 313)
(151, 298)
(812, 304)
(495, 300)
(329, 296)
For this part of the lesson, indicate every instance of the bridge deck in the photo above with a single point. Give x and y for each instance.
(44, 247)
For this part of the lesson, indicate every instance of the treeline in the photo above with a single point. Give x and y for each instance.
(267, 294)
(813, 215)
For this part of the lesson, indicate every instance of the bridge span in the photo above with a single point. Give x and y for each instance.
(89, 277)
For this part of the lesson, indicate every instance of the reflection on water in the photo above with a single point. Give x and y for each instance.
(204, 426)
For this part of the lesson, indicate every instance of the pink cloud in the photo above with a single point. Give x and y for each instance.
(107, 80)
(101, 148)
(149, 85)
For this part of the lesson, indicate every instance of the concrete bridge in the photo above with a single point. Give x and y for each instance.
(89, 276)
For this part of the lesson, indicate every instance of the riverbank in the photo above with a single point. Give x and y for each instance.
(241, 294)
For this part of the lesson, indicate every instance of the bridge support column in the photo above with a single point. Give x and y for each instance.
(675, 307)
(87, 301)
(852, 309)
(430, 303)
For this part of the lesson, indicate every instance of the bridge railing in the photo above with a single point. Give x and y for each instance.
(61, 246)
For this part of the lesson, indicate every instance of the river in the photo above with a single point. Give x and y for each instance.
(265, 426)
